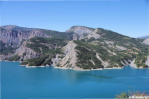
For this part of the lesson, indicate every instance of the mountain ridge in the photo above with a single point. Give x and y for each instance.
(78, 48)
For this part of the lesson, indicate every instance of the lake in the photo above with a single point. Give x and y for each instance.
(18, 82)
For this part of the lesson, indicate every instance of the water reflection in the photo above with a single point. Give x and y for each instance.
(82, 76)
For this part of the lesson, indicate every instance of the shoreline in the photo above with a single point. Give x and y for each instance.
(64, 68)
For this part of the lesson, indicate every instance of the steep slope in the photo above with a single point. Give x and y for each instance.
(13, 35)
(69, 57)
(78, 48)
(13, 39)
(46, 48)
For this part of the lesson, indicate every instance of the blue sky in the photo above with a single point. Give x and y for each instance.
(128, 17)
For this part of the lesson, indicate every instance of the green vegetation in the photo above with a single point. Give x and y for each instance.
(58, 35)
(134, 49)
(141, 59)
(47, 48)
(46, 45)
(122, 96)
(87, 57)
(42, 60)
(14, 58)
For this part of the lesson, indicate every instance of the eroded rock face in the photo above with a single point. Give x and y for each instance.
(132, 64)
(16, 37)
(121, 48)
(94, 34)
(80, 31)
(146, 41)
(70, 59)
(25, 52)
(147, 61)
(104, 63)
(13, 35)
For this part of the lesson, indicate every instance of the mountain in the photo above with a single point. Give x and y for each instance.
(15, 39)
(78, 48)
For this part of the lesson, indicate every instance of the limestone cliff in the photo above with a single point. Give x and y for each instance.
(14, 35)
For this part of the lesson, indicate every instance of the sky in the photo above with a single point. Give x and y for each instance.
(128, 17)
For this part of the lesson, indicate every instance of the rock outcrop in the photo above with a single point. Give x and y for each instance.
(80, 31)
(147, 61)
(146, 41)
(25, 52)
(70, 57)
(132, 64)
(94, 34)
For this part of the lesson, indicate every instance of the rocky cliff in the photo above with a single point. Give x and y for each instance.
(13, 35)
(78, 48)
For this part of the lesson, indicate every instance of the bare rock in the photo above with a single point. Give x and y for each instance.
(104, 63)
(94, 34)
(70, 59)
(13, 35)
(132, 64)
(80, 31)
(25, 52)
(146, 41)
(147, 61)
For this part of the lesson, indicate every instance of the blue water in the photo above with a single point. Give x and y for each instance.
(18, 82)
